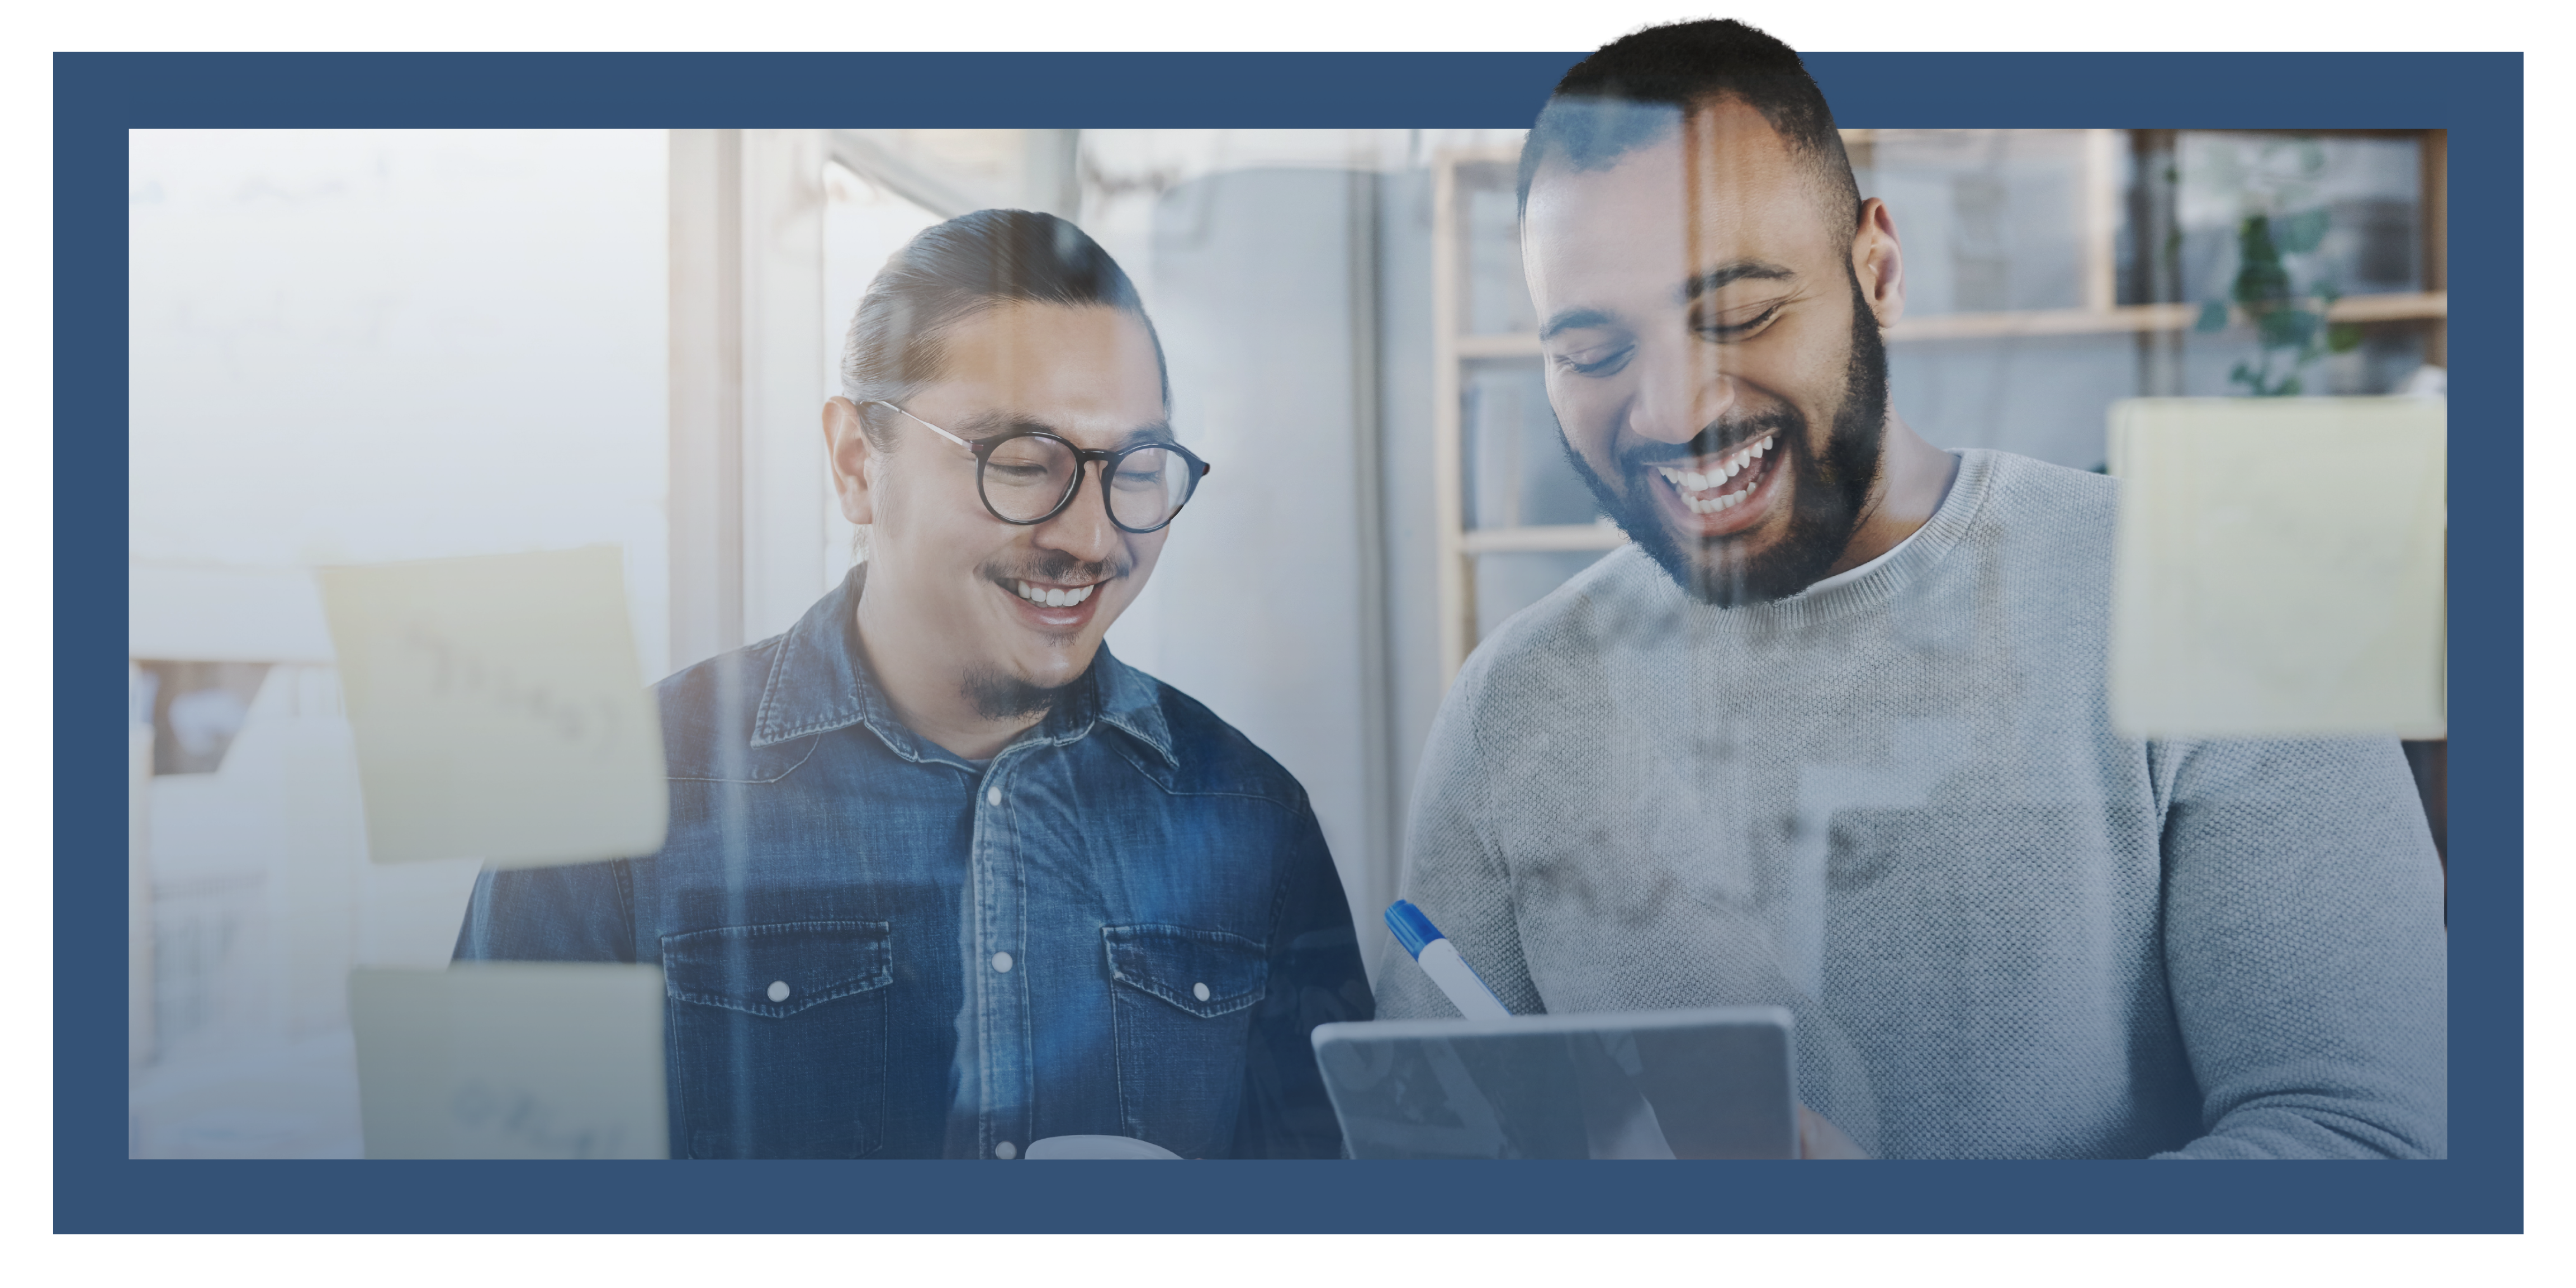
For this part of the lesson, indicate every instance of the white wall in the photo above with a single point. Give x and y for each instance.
(352, 346)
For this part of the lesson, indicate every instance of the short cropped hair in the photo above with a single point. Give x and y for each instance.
(1634, 90)
(950, 272)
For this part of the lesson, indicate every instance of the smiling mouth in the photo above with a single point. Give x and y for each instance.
(1722, 483)
(1052, 596)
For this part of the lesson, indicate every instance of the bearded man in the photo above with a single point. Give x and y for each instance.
(1832, 733)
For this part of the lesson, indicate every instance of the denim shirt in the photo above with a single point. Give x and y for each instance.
(1125, 923)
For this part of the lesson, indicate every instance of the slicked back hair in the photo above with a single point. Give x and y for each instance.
(950, 272)
(1634, 91)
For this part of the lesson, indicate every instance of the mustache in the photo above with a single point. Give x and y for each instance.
(1055, 566)
(1720, 436)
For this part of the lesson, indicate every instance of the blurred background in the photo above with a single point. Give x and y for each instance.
(353, 346)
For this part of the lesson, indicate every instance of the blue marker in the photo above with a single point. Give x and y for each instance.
(1440, 960)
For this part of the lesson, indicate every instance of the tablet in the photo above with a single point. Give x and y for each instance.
(1711, 1083)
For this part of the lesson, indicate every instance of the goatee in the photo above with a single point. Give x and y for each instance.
(998, 695)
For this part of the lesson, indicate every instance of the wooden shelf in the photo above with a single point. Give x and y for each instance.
(2425, 305)
(2417, 307)
(1539, 540)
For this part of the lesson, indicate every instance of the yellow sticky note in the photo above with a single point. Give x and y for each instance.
(498, 709)
(511, 1060)
(2279, 567)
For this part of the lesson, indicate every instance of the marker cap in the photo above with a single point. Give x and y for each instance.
(1411, 928)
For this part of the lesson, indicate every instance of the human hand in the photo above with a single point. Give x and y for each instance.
(1819, 1138)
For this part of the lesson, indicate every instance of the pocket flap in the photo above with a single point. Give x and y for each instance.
(780, 968)
(1204, 972)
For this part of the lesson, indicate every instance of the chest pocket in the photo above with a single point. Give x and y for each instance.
(778, 1038)
(1182, 1001)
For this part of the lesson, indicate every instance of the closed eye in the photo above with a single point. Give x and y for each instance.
(1716, 330)
(1597, 362)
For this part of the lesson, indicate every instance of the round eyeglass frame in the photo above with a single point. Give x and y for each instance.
(983, 450)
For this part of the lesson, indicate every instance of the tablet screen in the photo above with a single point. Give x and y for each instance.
(1669, 1084)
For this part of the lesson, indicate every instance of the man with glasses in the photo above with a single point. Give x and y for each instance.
(944, 878)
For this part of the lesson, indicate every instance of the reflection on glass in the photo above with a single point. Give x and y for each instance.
(1293, 274)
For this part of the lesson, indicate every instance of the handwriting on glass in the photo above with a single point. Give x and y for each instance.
(524, 1117)
(462, 674)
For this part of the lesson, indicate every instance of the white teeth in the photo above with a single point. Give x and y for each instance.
(1053, 598)
(1687, 482)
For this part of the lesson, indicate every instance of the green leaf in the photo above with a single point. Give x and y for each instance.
(2260, 276)
(2287, 328)
(2213, 317)
(2301, 232)
(2343, 337)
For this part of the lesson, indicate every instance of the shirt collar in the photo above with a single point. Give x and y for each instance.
(820, 682)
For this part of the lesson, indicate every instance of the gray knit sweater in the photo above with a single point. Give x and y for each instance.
(1896, 807)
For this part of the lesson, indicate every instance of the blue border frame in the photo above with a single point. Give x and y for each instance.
(2477, 97)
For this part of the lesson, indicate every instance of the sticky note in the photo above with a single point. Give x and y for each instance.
(2279, 567)
(497, 709)
(511, 1060)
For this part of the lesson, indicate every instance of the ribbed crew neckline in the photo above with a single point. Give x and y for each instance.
(1910, 559)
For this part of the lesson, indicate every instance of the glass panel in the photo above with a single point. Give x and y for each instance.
(1517, 474)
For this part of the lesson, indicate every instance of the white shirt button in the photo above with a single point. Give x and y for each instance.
(1002, 962)
(1006, 1150)
(993, 796)
(1198, 991)
(778, 990)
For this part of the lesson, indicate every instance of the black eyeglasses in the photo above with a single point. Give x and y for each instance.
(1031, 475)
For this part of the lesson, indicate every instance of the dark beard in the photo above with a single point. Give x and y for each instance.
(1831, 495)
(1000, 696)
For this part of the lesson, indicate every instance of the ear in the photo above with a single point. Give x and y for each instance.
(855, 463)
(1879, 263)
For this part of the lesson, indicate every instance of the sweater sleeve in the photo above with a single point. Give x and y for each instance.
(2305, 947)
(1454, 873)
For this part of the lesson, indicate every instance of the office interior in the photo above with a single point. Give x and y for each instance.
(367, 346)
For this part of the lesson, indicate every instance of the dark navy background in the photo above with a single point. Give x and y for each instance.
(2478, 97)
